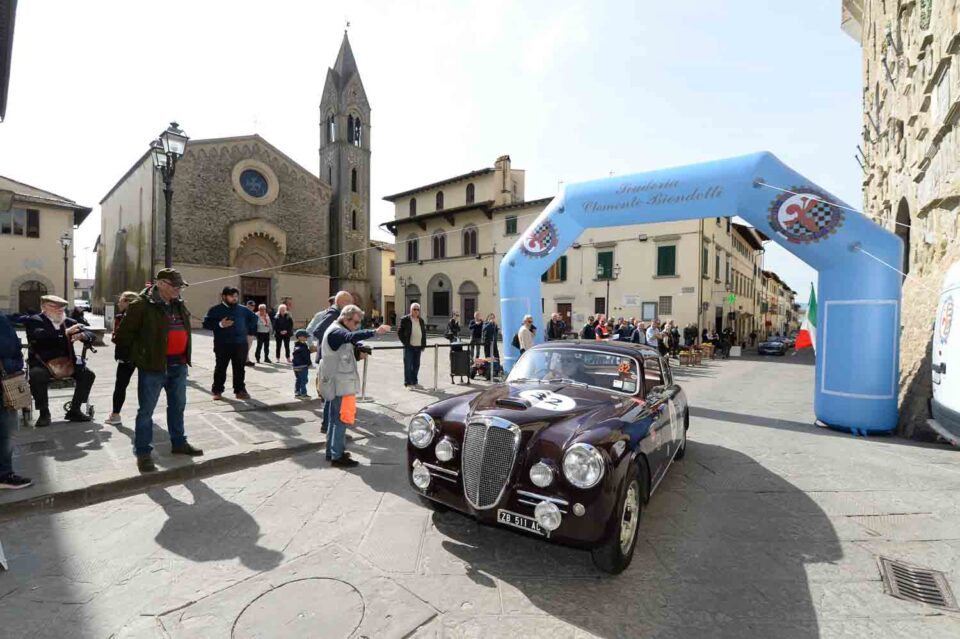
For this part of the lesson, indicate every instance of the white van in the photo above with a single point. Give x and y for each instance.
(946, 360)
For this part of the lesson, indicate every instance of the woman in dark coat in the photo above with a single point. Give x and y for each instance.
(282, 330)
(125, 367)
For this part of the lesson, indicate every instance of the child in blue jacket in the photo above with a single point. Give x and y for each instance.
(301, 363)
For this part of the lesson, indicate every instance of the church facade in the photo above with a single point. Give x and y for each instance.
(247, 215)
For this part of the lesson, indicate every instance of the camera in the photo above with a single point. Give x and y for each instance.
(361, 348)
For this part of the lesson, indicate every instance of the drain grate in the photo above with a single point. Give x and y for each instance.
(917, 584)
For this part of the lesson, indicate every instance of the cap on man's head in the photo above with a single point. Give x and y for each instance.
(53, 299)
(230, 290)
(171, 276)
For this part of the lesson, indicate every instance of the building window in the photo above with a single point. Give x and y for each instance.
(413, 249)
(727, 279)
(353, 220)
(33, 223)
(666, 260)
(717, 272)
(439, 200)
(604, 265)
(728, 226)
(705, 262)
(648, 312)
(439, 246)
(330, 175)
(413, 206)
(354, 131)
(6, 220)
(599, 305)
(354, 183)
(666, 305)
(353, 261)
(393, 268)
(557, 271)
(331, 129)
(511, 225)
(19, 221)
(470, 193)
(470, 241)
(441, 303)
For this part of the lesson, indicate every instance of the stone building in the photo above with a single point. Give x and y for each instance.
(452, 234)
(381, 269)
(911, 159)
(32, 257)
(246, 214)
(345, 165)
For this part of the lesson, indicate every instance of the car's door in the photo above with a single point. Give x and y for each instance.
(658, 402)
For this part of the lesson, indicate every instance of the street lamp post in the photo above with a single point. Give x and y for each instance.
(65, 242)
(602, 275)
(166, 151)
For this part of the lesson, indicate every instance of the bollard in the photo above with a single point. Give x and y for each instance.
(363, 385)
(436, 366)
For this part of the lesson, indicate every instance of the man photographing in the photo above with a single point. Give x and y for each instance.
(339, 380)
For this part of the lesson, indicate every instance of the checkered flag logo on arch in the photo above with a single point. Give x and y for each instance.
(805, 215)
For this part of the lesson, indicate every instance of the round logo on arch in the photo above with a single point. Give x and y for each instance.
(540, 239)
(804, 216)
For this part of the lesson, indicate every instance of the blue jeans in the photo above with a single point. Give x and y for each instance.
(411, 365)
(326, 413)
(9, 421)
(336, 429)
(300, 388)
(149, 385)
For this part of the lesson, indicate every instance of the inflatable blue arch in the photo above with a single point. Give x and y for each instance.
(858, 324)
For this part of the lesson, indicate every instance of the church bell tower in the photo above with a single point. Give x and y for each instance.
(345, 164)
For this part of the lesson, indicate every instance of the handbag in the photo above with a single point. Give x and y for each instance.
(61, 367)
(16, 390)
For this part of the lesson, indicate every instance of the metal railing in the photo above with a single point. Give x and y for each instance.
(436, 362)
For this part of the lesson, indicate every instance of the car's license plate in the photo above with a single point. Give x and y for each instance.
(520, 521)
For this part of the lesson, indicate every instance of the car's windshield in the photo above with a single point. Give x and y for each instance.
(602, 370)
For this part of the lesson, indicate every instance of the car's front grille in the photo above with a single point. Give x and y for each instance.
(489, 450)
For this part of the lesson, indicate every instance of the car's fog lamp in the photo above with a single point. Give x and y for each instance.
(444, 449)
(541, 475)
(421, 431)
(420, 476)
(547, 515)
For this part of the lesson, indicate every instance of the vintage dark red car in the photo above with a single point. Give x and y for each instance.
(569, 448)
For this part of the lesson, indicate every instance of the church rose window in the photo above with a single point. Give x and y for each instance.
(253, 183)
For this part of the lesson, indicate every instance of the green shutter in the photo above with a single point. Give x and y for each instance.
(605, 264)
(666, 260)
(563, 268)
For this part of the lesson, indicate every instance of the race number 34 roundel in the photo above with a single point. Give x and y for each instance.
(540, 239)
(804, 216)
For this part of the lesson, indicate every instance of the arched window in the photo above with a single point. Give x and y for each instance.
(350, 129)
(353, 220)
(357, 132)
(439, 245)
(470, 240)
(439, 200)
(331, 129)
(330, 174)
(470, 193)
(353, 181)
(413, 206)
(413, 248)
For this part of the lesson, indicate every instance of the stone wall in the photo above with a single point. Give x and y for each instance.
(911, 153)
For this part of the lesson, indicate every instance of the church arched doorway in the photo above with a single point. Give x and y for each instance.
(257, 260)
(903, 232)
(29, 296)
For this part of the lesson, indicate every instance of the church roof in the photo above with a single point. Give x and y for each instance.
(346, 65)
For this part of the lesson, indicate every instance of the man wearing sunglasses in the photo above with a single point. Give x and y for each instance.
(156, 332)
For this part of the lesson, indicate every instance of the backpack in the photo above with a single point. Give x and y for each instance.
(516, 341)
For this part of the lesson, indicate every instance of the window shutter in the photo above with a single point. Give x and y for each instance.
(563, 268)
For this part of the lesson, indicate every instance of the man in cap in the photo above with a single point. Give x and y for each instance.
(231, 324)
(51, 335)
(156, 332)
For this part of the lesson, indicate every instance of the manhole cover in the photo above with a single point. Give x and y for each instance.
(917, 584)
(313, 607)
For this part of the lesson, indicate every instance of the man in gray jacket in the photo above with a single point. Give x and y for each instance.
(318, 327)
(339, 380)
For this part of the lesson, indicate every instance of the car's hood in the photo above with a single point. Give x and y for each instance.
(537, 406)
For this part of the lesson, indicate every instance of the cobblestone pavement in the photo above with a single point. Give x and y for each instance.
(769, 527)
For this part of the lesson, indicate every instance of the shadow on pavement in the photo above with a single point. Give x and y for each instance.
(719, 555)
(211, 529)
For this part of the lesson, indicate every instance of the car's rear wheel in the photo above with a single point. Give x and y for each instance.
(617, 552)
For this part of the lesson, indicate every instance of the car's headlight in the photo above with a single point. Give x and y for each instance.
(583, 465)
(422, 429)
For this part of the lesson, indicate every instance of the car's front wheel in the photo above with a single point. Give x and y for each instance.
(616, 553)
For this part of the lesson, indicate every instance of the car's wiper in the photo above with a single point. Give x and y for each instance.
(568, 380)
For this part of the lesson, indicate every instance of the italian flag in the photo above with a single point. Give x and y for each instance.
(807, 337)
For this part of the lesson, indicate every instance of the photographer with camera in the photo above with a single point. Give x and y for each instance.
(339, 381)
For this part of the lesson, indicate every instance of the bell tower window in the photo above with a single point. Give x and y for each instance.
(331, 129)
(354, 130)
(353, 220)
(353, 181)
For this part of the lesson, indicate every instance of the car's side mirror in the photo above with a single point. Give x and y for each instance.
(655, 392)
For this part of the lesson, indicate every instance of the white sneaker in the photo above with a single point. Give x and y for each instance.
(113, 421)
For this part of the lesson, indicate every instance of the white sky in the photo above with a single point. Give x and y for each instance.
(571, 90)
